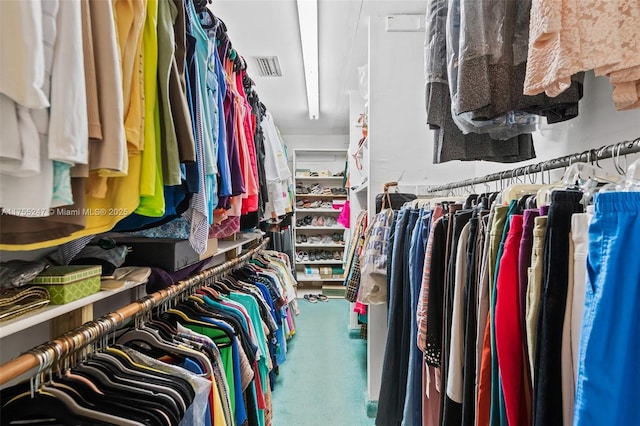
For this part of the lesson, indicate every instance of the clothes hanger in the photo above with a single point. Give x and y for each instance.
(153, 396)
(631, 182)
(182, 395)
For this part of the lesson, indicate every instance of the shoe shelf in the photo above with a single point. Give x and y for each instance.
(320, 196)
(319, 245)
(301, 210)
(312, 279)
(311, 178)
(320, 228)
(320, 262)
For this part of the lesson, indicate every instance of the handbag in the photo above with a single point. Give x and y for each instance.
(392, 200)
(373, 262)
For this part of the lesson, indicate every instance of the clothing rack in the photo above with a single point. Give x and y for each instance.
(602, 153)
(46, 355)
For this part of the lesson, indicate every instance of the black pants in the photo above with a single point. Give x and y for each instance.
(547, 403)
(395, 366)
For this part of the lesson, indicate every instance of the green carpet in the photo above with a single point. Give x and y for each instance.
(324, 380)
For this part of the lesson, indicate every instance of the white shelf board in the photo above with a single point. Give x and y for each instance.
(361, 189)
(326, 210)
(306, 178)
(320, 262)
(52, 311)
(320, 228)
(319, 245)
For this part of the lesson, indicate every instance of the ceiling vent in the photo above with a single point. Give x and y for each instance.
(268, 66)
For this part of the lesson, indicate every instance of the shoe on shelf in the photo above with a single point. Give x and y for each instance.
(311, 298)
(322, 297)
(326, 239)
(299, 255)
(326, 205)
(298, 239)
(330, 221)
(315, 188)
(313, 174)
(303, 238)
(316, 204)
(306, 221)
(339, 174)
(299, 203)
(337, 255)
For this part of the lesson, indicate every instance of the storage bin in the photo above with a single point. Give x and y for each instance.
(68, 283)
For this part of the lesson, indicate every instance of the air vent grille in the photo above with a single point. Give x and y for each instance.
(268, 66)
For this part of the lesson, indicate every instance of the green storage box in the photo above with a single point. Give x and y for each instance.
(69, 283)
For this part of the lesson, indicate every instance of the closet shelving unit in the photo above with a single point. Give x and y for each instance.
(318, 160)
(70, 315)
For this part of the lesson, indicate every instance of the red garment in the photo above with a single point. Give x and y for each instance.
(508, 330)
(483, 412)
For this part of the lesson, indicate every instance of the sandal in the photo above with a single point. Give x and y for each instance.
(322, 297)
(311, 298)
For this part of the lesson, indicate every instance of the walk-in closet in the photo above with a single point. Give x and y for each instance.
(319, 212)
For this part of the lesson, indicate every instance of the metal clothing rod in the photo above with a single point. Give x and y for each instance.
(92, 331)
(608, 151)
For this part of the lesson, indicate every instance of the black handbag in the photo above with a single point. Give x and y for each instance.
(392, 200)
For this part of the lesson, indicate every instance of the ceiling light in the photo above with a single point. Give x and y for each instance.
(308, 21)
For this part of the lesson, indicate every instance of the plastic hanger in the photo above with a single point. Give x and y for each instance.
(630, 183)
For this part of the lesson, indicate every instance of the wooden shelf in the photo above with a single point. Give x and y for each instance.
(326, 210)
(242, 238)
(319, 245)
(53, 311)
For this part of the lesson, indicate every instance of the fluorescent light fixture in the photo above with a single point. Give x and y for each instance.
(308, 21)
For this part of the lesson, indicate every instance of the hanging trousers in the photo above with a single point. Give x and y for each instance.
(609, 342)
(485, 379)
(470, 323)
(395, 365)
(534, 289)
(507, 325)
(413, 400)
(548, 361)
(451, 410)
(578, 247)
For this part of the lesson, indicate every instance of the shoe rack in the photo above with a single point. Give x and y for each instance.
(319, 240)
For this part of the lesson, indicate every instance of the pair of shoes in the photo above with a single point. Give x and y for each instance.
(337, 255)
(318, 221)
(326, 205)
(302, 256)
(330, 221)
(315, 188)
(313, 298)
(338, 191)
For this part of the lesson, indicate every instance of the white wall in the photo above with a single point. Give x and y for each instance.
(294, 142)
(598, 124)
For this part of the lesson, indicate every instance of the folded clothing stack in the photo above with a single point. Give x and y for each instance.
(19, 301)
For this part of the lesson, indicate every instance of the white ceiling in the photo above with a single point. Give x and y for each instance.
(270, 28)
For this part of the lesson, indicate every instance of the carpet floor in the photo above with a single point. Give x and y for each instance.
(324, 380)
